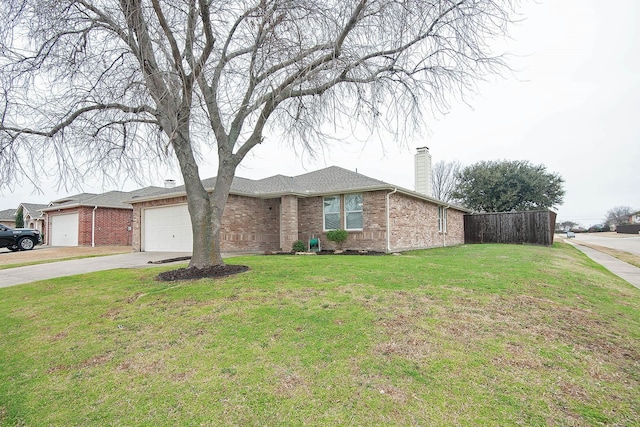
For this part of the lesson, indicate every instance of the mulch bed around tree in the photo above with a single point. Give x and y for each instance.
(327, 252)
(201, 273)
(228, 270)
(351, 252)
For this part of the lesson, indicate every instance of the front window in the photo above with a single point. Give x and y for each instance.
(332, 213)
(353, 211)
(442, 219)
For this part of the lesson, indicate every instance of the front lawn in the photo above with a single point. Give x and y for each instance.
(472, 335)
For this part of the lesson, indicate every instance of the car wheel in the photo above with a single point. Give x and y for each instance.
(25, 244)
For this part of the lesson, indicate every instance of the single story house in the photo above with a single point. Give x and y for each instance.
(89, 219)
(271, 214)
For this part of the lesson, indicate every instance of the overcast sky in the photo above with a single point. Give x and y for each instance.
(573, 105)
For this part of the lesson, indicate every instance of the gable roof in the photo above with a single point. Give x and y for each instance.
(110, 199)
(328, 181)
(34, 209)
(75, 199)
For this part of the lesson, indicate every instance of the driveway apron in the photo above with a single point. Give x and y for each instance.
(33, 273)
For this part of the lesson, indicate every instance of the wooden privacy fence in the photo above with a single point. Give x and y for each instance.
(531, 227)
(628, 229)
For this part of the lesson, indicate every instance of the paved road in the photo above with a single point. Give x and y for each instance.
(32, 273)
(628, 243)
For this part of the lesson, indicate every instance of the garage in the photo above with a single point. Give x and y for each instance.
(167, 229)
(64, 230)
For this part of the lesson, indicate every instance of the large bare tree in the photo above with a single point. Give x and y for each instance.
(444, 176)
(116, 84)
(618, 215)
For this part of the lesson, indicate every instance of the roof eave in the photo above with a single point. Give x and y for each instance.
(271, 195)
(81, 205)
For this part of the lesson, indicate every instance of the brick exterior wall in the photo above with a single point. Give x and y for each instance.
(248, 223)
(111, 227)
(373, 235)
(414, 224)
(288, 222)
(252, 224)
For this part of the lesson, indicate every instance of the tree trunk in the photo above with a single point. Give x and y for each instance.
(199, 204)
(218, 202)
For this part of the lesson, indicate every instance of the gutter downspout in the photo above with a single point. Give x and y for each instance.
(388, 221)
(93, 227)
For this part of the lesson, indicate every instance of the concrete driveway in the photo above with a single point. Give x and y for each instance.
(32, 273)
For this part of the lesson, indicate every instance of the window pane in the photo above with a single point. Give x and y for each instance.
(442, 219)
(354, 220)
(353, 202)
(331, 204)
(332, 221)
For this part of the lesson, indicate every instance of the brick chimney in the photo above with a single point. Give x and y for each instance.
(423, 172)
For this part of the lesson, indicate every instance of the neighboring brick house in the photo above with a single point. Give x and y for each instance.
(271, 213)
(8, 217)
(88, 219)
(34, 217)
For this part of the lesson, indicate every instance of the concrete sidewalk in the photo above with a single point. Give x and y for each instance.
(626, 271)
(33, 273)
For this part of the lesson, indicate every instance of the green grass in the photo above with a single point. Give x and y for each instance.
(472, 335)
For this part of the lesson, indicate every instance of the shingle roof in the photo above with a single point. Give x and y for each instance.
(75, 199)
(110, 199)
(8, 215)
(34, 209)
(336, 179)
(330, 180)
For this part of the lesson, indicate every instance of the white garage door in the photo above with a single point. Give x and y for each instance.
(167, 229)
(64, 230)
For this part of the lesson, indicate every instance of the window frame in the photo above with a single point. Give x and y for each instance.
(324, 212)
(442, 219)
(361, 211)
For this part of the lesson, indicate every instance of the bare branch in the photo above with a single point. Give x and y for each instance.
(97, 85)
(15, 131)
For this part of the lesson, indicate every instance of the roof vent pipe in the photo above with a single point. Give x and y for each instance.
(169, 183)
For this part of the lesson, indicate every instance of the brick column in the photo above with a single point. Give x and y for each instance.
(288, 222)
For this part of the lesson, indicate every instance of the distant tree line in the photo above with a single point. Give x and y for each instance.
(516, 185)
(498, 186)
(620, 215)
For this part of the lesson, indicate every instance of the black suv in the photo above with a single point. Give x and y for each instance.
(19, 239)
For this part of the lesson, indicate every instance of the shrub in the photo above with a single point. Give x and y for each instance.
(337, 236)
(299, 246)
